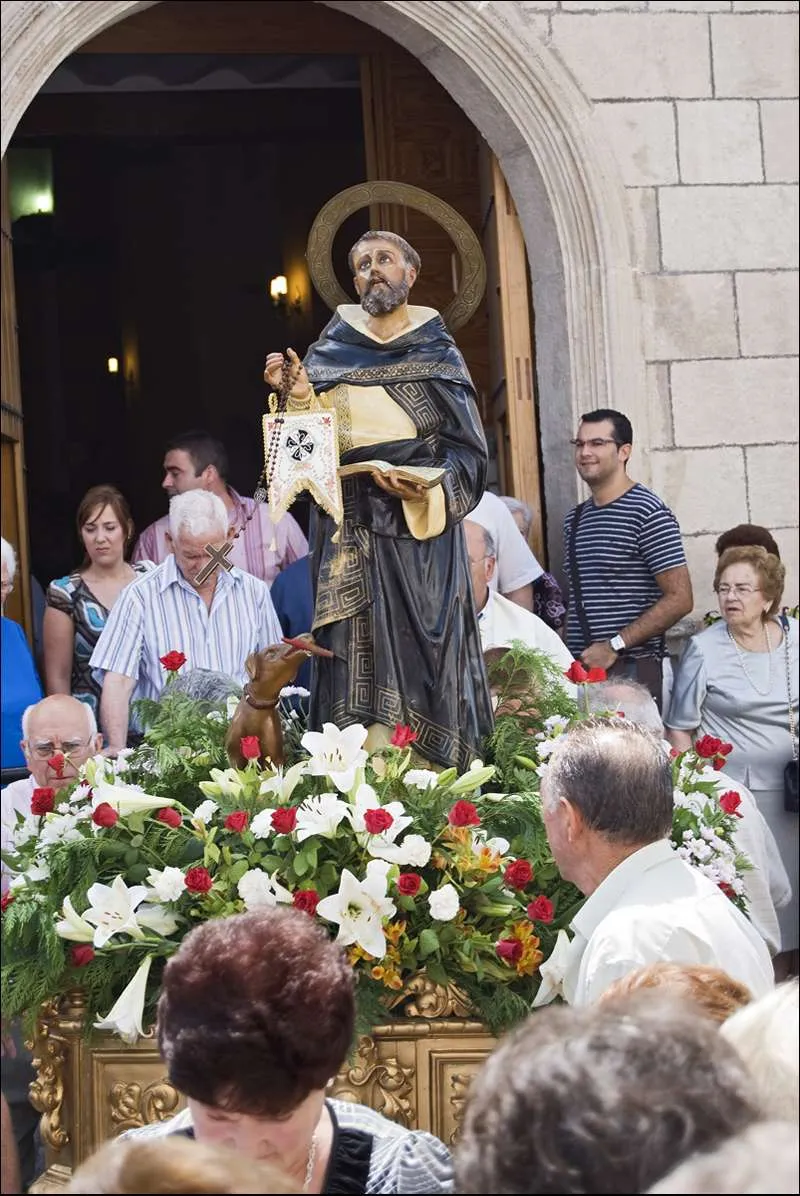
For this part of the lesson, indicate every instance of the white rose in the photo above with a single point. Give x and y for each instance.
(261, 826)
(205, 811)
(421, 778)
(443, 904)
(416, 851)
(167, 883)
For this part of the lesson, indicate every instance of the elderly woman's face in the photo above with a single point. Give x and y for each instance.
(6, 585)
(741, 600)
(283, 1142)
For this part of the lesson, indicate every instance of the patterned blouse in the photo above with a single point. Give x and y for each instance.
(72, 595)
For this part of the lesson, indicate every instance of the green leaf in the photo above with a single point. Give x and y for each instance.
(300, 864)
(428, 943)
(212, 853)
(131, 857)
(237, 871)
(436, 972)
(137, 874)
(137, 840)
(135, 822)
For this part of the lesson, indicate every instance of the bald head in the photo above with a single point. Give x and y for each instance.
(57, 725)
(482, 560)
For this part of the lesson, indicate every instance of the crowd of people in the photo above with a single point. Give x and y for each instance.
(668, 1046)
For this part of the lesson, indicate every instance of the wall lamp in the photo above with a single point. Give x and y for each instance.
(279, 293)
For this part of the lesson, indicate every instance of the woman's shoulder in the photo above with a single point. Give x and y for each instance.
(65, 585)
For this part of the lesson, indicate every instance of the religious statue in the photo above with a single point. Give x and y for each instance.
(392, 593)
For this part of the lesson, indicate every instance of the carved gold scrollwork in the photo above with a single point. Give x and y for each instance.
(459, 1090)
(46, 1092)
(390, 1083)
(131, 1106)
(422, 998)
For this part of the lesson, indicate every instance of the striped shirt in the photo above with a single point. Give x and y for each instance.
(161, 612)
(620, 547)
(252, 550)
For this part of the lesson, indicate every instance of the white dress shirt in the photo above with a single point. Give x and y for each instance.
(14, 799)
(501, 621)
(654, 907)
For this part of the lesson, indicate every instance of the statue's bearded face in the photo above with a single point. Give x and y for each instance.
(381, 296)
(382, 278)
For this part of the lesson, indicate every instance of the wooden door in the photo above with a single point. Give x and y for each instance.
(13, 512)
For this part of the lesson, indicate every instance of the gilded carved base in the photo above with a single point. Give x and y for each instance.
(416, 1071)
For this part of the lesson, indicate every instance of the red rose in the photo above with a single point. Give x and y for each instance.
(284, 820)
(80, 956)
(403, 736)
(541, 910)
(518, 874)
(718, 763)
(57, 762)
(173, 661)
(169, 817)
(306, 900)
(730, 802)
(576, 672)
(597, 675)
(198, 880)
(509, 949)
(43, 801)
(250, 747)
(6, 901)
(708, 746)
(408, 883)
(377, 820)
(237, 821)
(464, 813)
(727, 889)
(105, 815)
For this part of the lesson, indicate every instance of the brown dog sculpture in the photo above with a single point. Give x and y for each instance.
(257, 713)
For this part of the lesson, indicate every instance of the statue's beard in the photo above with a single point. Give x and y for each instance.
(381, 300)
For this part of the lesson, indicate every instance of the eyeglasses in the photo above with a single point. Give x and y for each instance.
(478, 560)
(7, 587)
(744, 590)
(43, 751)
(596, 442)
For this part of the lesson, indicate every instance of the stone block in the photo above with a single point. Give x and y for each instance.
(750, 400)
(644, 232)
(701, 486)
(635, 56)
(729, 227)
(719, 141)
(659, 410)
(779, 125)
(789, 545)
(702, 561)
(689, 316)
(772, 483)
(695, 5)
(765, 5)
(768, 313)
(755, 56)
(601, 6)
(643, 139)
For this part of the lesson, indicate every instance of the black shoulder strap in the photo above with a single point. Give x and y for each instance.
(575, 577)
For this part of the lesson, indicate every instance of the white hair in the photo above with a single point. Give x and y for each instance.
(199, 512)
(517, 507)
(29, 710)
(9, 558)
(633, 700)
(761, 1158)
(766, 1033)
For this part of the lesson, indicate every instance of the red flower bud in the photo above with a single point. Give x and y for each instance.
(284, 820)
(250, 747)
(237, 821)
(464, 813)
(403, 736)
(198, 880)
(43, 801)
(169, 817)
(105, 815)
(730, 802)
(541, 909)
(306, 900)
(509, 949)
(173, 661)
(377, 820)
(57, 762)
(81, 955)
(576, 672)
(6, 900)
(518, 874)
(409, 883)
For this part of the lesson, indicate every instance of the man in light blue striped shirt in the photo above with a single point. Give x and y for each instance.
(215, 623)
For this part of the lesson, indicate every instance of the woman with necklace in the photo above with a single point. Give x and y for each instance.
(78, 605)
(738, 680)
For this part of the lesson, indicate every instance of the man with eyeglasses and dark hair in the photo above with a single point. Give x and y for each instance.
(623, 554)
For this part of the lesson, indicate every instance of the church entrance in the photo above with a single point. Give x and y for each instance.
(162, 181)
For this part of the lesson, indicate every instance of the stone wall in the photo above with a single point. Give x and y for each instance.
(699, 102)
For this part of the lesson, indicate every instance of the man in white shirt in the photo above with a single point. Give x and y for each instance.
(517, 568)
(767, 887)
(500, 620)
(607, 806)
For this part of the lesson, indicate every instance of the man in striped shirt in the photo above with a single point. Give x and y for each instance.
(624, 558)
(196, 461)
(216, 623)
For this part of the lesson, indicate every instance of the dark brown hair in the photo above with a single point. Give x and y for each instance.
(746, 534)
(95, 500)
(256, 1011)
(713, 991)
(771, 572)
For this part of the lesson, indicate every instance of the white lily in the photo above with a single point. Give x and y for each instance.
(478, 774)
(257, 888)
(112, 910)
(168, 884)
(367, 799)
(553, 971)
(125, 1016)
(157, 918)
(225, 783)
(336, 754)
(127, 800)
(360, 907)
(73, 926)
(320, 816)
(283, 784)
(498, 844)
(443, 903)
(421, 778)
(414, 851)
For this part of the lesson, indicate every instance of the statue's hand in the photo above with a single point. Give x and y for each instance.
(398, 487)
(299, 385)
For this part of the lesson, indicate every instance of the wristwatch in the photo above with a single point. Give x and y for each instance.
(617, 644)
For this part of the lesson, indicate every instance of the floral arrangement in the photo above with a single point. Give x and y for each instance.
(410, 869)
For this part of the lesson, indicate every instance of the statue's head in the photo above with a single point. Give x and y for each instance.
(385, 267)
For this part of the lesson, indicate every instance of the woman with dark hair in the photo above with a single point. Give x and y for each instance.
(256, 1017)
(78, 604)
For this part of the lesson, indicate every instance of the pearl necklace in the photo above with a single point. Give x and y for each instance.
(761, 692)
(312, 1158)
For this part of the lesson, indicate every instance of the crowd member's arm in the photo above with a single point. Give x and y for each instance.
(59, 648)
(689, 689)
(115, 704)
(117, 656)
(523, 596)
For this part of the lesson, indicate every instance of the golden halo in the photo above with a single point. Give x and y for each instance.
(329, 219)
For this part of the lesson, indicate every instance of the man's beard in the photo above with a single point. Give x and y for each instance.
(380, 301)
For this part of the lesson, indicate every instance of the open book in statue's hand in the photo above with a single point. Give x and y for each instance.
(417, 475)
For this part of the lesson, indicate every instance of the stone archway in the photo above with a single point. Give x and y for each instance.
(558, 165)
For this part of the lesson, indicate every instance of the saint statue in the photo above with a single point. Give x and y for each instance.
(392, 592)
